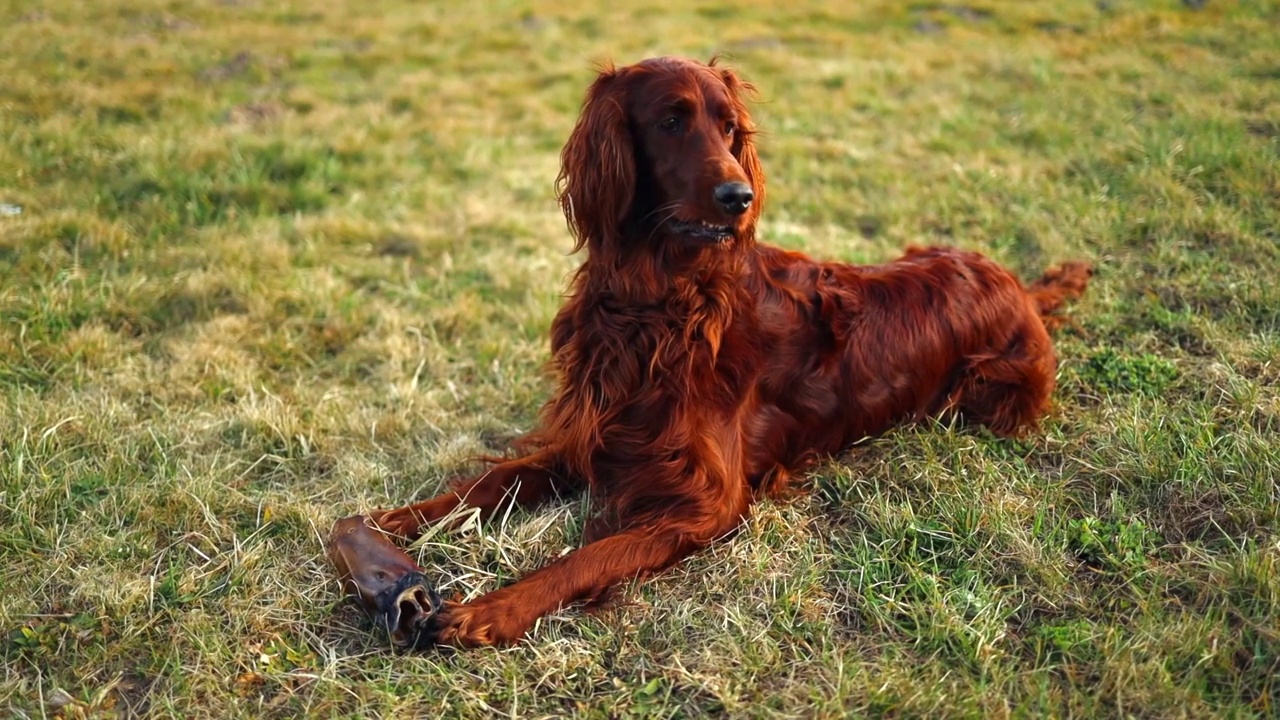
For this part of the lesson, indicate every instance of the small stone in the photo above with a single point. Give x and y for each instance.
(60, 698)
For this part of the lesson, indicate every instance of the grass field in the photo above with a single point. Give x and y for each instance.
(266, 264)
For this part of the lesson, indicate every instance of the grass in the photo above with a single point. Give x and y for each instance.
(277, 263)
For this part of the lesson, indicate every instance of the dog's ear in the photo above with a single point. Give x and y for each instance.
(597, 177)
(744, 144)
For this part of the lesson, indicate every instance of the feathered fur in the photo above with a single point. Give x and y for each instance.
(694, 374)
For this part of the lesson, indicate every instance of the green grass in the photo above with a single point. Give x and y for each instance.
(278, 263)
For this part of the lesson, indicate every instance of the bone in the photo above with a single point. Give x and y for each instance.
(386, 582)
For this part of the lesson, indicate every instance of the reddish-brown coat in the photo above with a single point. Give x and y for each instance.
(694, 375)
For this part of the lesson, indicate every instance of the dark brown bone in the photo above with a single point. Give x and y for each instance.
(388, 584)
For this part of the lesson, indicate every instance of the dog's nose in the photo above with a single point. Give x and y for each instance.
(734, 197)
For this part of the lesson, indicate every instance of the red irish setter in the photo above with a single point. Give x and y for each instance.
(697, 368)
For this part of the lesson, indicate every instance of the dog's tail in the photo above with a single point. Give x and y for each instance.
(1055, 287)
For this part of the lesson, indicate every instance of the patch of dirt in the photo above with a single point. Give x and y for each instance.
(967, 13)
(1268, 129)
(133, 695)
(397, 245)
(869, 226)
(254, 113)
(1054, 26)
(238, 65)
(533, 23)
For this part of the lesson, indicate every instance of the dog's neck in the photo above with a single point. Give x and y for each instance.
(664, 271)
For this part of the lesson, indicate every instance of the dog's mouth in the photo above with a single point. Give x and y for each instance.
(700, 231)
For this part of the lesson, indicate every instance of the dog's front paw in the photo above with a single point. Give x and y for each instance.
(401, 522)
(476, 624)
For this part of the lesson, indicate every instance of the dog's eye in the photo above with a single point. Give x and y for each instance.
(730, 129)
(671, 124)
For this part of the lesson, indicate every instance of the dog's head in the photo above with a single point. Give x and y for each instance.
(663, 152)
